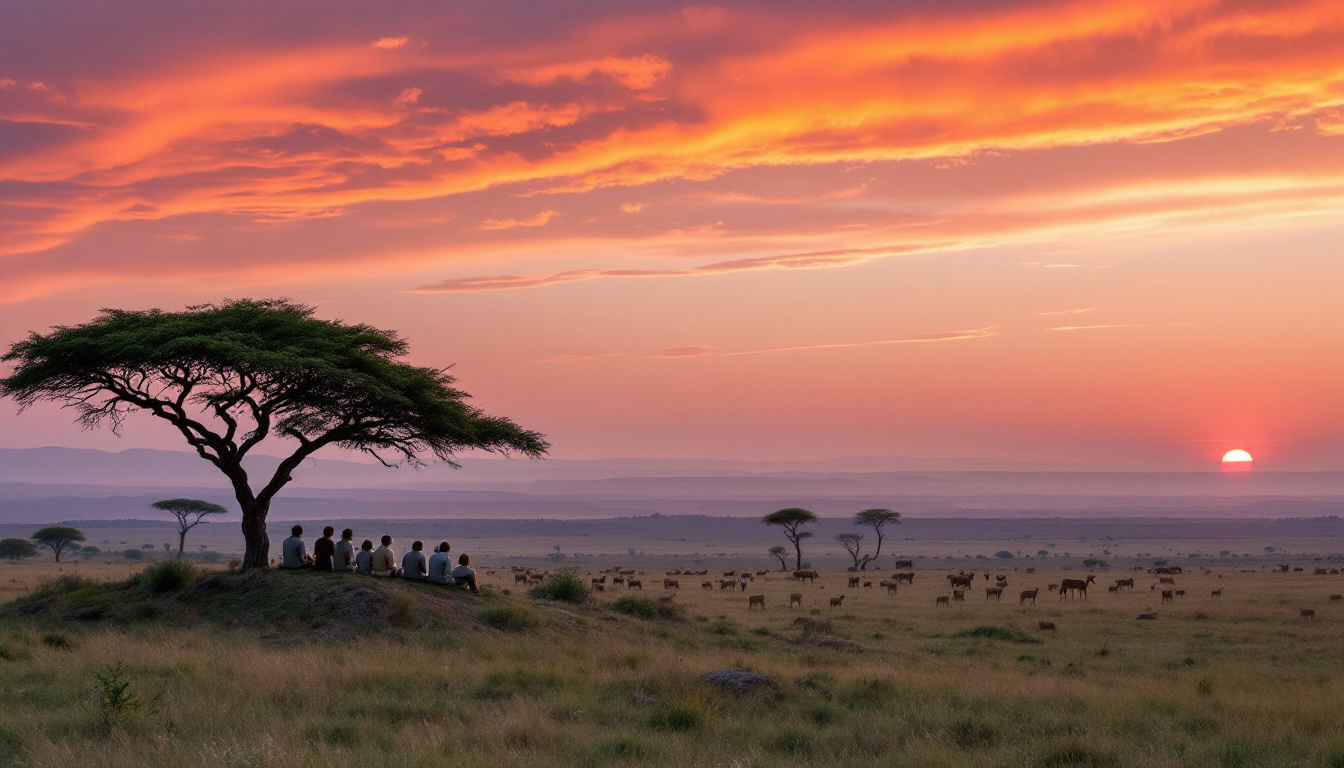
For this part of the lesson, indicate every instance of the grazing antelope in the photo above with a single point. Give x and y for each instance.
(617, 580)
(730, 573)
(1050, 625)
(942, 600)
(1166, 595)
(1309, 613)
(854, 581)
(1180, 593)
(756, 600)
(1028, 594)
(634, 584)
(805, 575)
(1123, 583)
(707, 585)
(1218, 592)
(836, 601)
(520, 578)
(958, 581)
(959, 595)
(994, 592)
(908, 578)
(671, 584)
(867, 585)
(726, 584)
(1075, 585)
(891, 587)
(795, 599)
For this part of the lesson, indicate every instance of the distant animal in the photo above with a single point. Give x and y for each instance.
(1166, 595)
(730, 573)
(1028, 594)
(904, 564)
(955, 581)
(1050, 625)
(1001, 583)
(1147, 616)
(756, 600)
(836, 601)
(854, 581)
(520, 578)
(1337, 597)
(671, 584)
(1124, 584)
(795, 598)
(959, 595)
(707, 585)
(599, 587)
(1309, 613)
(744, 585)
(726, 584)
(1075, 585)
(805, 575)
(1112, 589)
(634, 584)
(908, 578)
(942, 600)
(994, 592)
(891, 587)
(602, 580)
(617, 580)
(1180, 593)
(867, 585)
(1218, 592)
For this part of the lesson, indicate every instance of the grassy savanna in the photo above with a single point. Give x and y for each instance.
(263, 675)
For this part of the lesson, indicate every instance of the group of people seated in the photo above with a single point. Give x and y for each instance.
(342, 557)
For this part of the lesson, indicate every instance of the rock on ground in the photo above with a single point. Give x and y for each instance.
(740, 680)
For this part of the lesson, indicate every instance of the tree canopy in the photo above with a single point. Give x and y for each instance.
(16, 549)
(790, 519)
(877, 519)
(778, 551)
(58, 538)
(189, 514)
(229, 376)
(852, 543)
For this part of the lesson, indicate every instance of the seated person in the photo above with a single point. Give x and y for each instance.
(384, 561)
(464, 575)
(344, 560)
(293, 552)
(324, 550)
(364, 560)
(440, 564)
(413, 563)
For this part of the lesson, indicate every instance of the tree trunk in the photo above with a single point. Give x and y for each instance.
(258, 552)
(181, 542)
(798, 550)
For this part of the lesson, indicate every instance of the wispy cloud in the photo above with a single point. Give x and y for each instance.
(1106, 326)
(1079, 311)
(390, 42)
(540, 220)
(687, 352)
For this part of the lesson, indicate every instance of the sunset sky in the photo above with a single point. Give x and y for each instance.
(1108, 232)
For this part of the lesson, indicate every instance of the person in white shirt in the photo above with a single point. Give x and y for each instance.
(293, 552)
(345, 553)
(413, 563)
(384, 561)
(440, 564)
(464, 575)
(364, 559)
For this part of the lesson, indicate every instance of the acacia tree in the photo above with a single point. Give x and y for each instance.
(877, 519)
(189, 514)
(779, 551)
(58, 538)
(790, 519)
(851, 542)
(229, 376)
(16, 549)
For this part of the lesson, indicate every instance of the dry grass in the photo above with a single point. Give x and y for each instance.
(1239, 680)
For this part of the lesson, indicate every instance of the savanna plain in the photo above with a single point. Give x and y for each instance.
(195, 665)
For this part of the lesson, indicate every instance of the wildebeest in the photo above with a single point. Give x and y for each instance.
(755, 600)
(634, 584)
(1123, 583)
(1165, 580)
(707, 585)
(1309, 613)
(1028, 594)
(671, 584)
(835, 601)
(994, 592)
(1218, 592)
(867, 585)
(942, 600)
(1166, 595)
(796, 598)
(854, 581)
(1337, 597)
(805, 575)
(520, 578)
(1180, 593)
(908, 578)
(1050, 625)
(955, 581)
(726, 584)
(959, 595)
(1075, 585)
(904, 564)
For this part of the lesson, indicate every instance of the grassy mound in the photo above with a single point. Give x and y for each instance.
(322, 605)
(997, 633)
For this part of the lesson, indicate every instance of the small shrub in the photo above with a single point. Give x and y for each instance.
(14, 653)
(509, 618)
(724, 626)
(506, 684)
(341, 733)
(113, 699)
(679, 717)
(10, 744)
(405, 609)
(564, 585)
(794, 741)
(969, 733)
(821, 713)
(133, 554)
(1075, 755)
(58, 641)
(630, 605)
(997, 633)
(868, 694)
(168, 576)
(1204, 687)
(623, 747)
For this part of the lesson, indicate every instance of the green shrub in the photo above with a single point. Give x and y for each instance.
(1075, 755)
(623, 747)
(564, 585)
(794, 741)
(14, 653)
(969, 733)
(679, 717)
(133, 554)
(631, 605)
(343, 733)
(168, 576)
(509, 618)
(997, 633)
(58, 641)
(507, 684)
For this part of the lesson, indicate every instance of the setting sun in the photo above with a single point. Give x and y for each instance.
(1237, 460)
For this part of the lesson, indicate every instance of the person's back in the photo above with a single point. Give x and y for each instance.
(440, 563)
(324, 551)
(413, 563)
(344, 560)
(384, 561)
(364, 559)
(464, 575)
(293, 552)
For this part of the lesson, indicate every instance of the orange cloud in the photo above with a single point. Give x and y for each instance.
(540, 220)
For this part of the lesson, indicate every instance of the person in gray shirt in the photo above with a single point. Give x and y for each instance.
(293, 552)
(413, 564)
(345, 553)
(464, 575)
(440, 564)
(364, 558)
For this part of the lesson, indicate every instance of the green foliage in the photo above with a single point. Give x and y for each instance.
(58, 538)
(506, 684)
(16, 549)
(14, 653)
(632, 605)
(510, 618)
(90, 551)
(168, 576)
(969, 733)
(1075, 754)
(997, 633)
(133, 554)
(794, 741)
(792, 516)
(564, 585)
(679, 716)
(113, 699)
(58, 640)
(624, 747)
(1004, 554)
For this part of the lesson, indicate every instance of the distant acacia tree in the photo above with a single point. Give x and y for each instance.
(778, 552)
(58, 538)
(228, 376)
(877, 519)
(189, 514)
(16, 549)
(790, 519)
(851, 542)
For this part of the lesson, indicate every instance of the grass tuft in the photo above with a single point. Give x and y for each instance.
(989, 632)
(679, 716)
(509, 618)
(168, 576)
(564, 585)
(631, 605)
(794, 741)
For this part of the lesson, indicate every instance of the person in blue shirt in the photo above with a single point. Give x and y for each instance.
(413, 564)
(293, 552)
(464, 575)
(440, 563)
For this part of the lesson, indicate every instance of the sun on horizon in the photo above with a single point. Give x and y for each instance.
(1237, 460)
